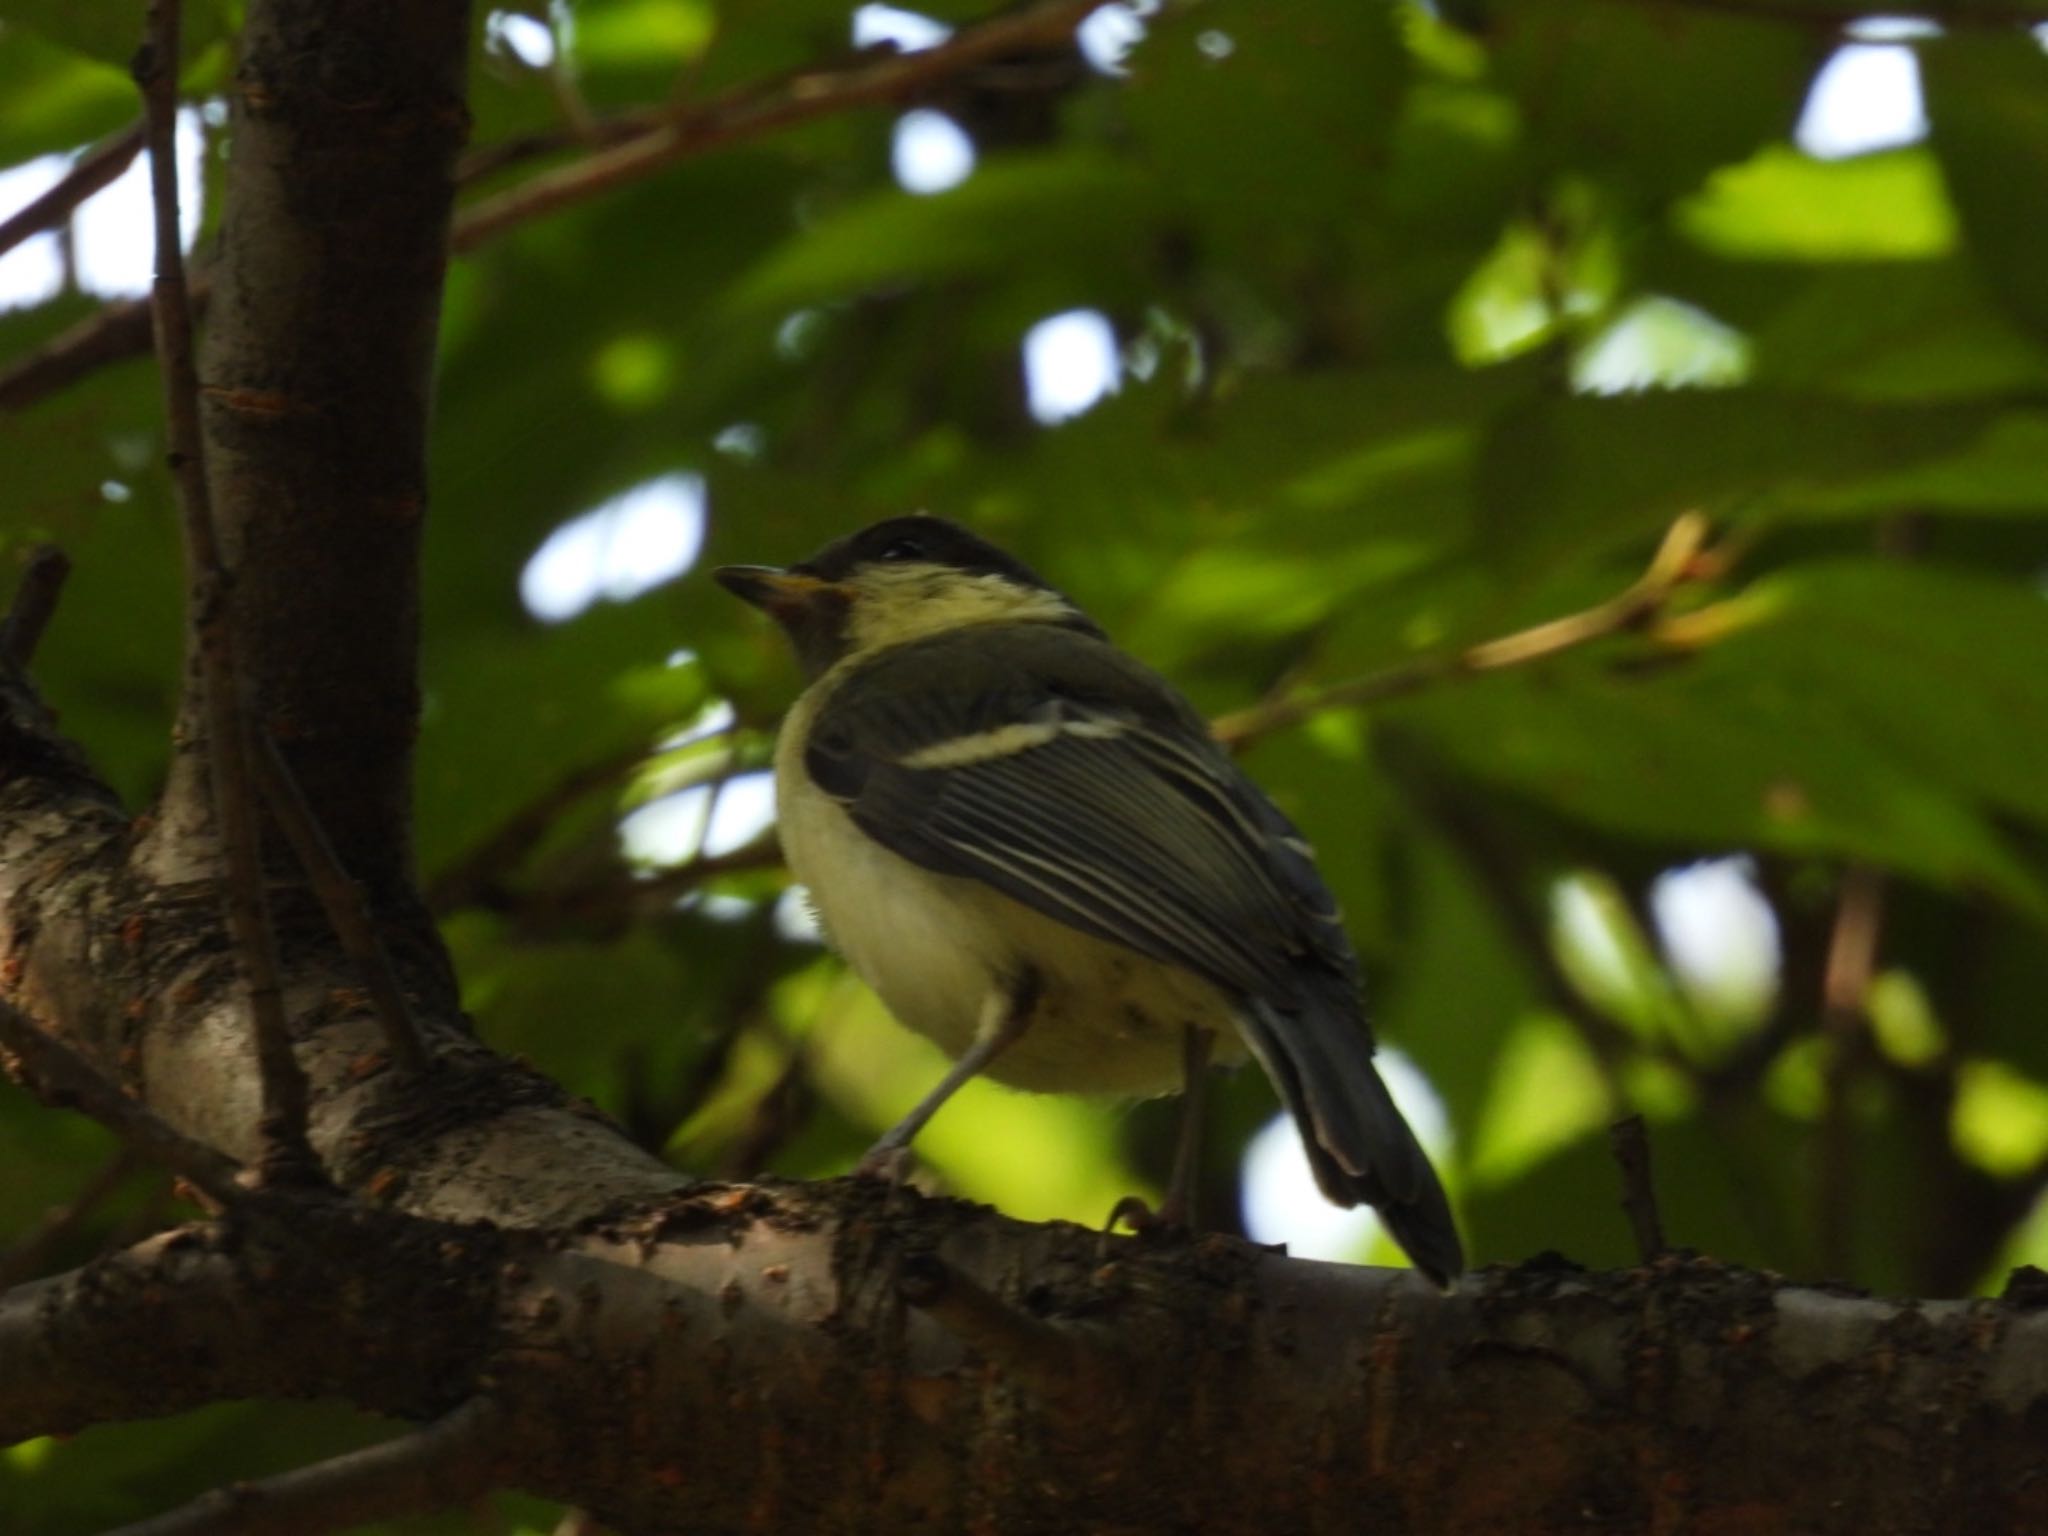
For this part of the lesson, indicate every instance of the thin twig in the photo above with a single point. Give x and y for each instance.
(342, 899)
(120, 330)
(662, 138)
(449, 1461)
(35, 604)
(95, 170)
(287, 1154)
(1631, 1145)
(642, 142)
(28, 1256)
(477, 876)
(539, 910)
(63, 1077)
(1672, 567)
(1845, 992)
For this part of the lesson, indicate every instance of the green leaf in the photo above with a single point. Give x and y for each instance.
(1987, 104)
(1706, 756)
(1782, 205)
(1894, 330)
(1254, 114)
(1457, 985)
(1943, 668)
(1067, 207)
(1581, 474)
(58, 100)
(111, 30)
(1654, 97)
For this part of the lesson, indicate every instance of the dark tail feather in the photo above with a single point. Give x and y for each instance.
(1358, 1145)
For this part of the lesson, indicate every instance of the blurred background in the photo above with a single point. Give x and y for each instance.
(1591, 455)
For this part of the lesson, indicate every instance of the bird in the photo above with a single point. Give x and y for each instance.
(1031, 848)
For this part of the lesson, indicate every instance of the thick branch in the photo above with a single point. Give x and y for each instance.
(743, 1359)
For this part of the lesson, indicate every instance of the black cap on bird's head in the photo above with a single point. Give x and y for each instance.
(897, 580)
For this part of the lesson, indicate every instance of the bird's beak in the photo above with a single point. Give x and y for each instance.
(780, 593)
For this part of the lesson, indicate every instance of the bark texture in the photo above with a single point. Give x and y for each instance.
(316, 372)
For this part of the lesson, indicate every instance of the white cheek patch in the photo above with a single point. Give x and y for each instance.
(896, 604)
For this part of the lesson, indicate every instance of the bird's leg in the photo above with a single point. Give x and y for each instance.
(1005, 1015)
(1178, 1208)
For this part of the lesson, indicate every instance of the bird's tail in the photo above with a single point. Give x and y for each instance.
(1361, 1150)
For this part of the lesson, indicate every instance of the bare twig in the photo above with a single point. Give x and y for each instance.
(633, 898)
(477, 875)
(450, 1460)
(35, 603)
(29, 1255)
(634, 145)
(64, 1077)
(342, 899)
(661, 138)
(96, 169)
(1845, 991)
(1631, 1145)
(1676, 563)
(287, 1154)
(119, 331)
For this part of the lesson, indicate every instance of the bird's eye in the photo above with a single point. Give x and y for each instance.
(902, 549)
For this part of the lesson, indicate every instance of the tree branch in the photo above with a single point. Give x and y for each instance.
(287, 1154)
(96, 169)
(633, 145)
(1681, 559)
(60, 1223)
(453, 1459)
(1631, 1145)
(661, 139)
(342, 899)
(65, 1078)
(35, 604)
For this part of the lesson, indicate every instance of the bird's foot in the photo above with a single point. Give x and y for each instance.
(886, 1162)
(1167, 1223)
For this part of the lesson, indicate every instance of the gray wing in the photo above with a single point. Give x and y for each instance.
(1044, 763)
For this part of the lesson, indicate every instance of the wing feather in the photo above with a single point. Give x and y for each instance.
(1085, 789)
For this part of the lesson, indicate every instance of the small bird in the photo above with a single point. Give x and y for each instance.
(1031, 848)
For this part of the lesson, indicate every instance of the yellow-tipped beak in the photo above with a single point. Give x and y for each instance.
(775, 591)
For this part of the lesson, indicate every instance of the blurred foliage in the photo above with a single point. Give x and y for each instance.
(1426, 332)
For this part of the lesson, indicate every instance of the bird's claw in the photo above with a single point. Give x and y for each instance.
(888, 1164)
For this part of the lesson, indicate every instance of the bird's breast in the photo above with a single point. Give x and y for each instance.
(934, 947)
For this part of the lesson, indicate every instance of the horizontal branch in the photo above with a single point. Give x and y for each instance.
(638, 1362)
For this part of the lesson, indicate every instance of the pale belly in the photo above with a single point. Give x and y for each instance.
(934, 948)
